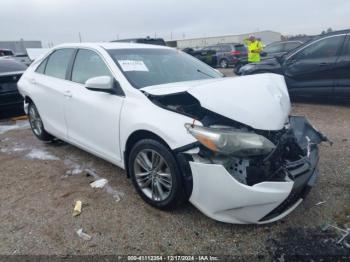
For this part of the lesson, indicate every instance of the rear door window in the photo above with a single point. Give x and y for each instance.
(58, 63)
(88, 64)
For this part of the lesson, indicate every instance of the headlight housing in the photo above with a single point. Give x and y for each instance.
(228, 141)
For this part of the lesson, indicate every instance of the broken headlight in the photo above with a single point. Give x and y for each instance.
(229, 141)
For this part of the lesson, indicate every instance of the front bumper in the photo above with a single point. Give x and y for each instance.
(222, 197)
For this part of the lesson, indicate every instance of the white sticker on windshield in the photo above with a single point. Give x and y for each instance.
(133, 65)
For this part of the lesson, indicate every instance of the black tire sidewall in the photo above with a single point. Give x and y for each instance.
(177, 194)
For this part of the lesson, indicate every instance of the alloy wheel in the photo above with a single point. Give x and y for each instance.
(153, 175)
(35, 121)
(223, 63)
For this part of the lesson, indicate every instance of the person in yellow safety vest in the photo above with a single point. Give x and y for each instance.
(254, 47)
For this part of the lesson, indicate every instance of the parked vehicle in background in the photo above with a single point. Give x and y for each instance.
(146, 40)
(11, 102)
(279, 48)
(207, 56)
(318, 68)
(22, 58)
(181, 130)
(6, 52)
(34, 53)
(274, 49)
(228, 54)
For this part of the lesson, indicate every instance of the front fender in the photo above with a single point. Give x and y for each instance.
(141, 114)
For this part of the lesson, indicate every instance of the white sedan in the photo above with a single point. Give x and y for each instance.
(180, 129)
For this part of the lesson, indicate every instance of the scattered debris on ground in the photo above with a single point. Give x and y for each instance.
(41, 154)
(83, 235)
(345, 234)
(77, 208)
(100, 183)
(103, 183)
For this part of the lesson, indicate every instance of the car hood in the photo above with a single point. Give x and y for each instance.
(260, 101)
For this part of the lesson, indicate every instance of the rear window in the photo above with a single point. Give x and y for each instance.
(11, 66)
(226, 48)
(6, 53)
(151, 41)
(241, 48)
(58, 63)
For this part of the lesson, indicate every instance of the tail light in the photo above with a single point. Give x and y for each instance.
(235, 52)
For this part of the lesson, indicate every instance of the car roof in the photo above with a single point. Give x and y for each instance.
(227, 44)
(286, 41)
(345, 31)
(112, 45)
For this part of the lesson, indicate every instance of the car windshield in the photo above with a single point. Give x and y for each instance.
(146, 67)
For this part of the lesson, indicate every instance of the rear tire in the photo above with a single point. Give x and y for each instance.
(156, 175)
(37, 124)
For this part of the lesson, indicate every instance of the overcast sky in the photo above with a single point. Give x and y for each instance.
(60, 21)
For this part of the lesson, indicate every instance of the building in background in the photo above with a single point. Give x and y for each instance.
(19, 47)
(266, 36)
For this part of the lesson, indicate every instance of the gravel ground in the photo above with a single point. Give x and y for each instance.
(41, 182)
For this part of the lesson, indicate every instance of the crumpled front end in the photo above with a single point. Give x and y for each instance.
(257, 189)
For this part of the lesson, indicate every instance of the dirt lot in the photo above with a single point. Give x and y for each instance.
(41, 182)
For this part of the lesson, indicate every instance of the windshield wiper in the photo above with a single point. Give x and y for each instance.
(200, 71)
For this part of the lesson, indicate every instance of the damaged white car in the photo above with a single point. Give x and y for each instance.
(180, 129)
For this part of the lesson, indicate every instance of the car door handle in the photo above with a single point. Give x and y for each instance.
(323, 64)
(32, 81)
(68, 94)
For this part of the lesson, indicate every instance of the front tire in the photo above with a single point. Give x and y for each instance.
(155, 174)
(37, 124)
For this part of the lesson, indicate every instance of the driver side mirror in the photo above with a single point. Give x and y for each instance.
(100, 83)
(263, 53)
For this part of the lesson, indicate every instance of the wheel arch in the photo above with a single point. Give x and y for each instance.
(27, 99)
(134, 138)
(181, 160)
